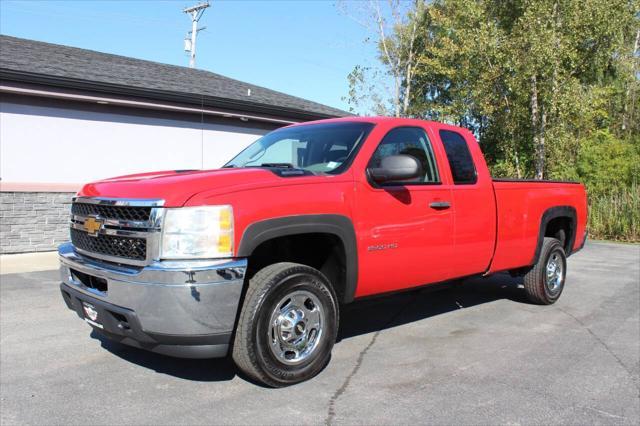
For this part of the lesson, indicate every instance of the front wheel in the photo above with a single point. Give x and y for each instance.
(287, 326)
(544, 283)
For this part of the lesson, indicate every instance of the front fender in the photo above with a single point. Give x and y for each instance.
(338, 225)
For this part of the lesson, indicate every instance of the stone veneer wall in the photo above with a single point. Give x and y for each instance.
(33, 221)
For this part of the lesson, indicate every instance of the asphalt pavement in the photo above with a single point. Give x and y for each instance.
(473, 353)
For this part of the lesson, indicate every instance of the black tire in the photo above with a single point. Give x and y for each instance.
(254, 339)
(541, 288)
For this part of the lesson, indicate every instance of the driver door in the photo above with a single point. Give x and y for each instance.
(405, 229)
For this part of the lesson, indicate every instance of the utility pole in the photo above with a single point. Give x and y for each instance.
(195, 12)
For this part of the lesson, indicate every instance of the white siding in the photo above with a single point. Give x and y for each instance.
(69, 145)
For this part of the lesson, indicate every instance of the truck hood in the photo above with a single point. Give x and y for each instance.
(175, 187)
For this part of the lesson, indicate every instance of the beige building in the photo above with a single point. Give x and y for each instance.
(69, 116)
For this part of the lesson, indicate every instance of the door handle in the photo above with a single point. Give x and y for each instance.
(440, 205)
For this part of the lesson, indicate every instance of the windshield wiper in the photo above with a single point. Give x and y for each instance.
(278, 165)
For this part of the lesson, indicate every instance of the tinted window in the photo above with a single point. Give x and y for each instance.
(460, 161)
(408, 141)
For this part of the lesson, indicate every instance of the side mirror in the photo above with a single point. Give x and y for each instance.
(396, 168)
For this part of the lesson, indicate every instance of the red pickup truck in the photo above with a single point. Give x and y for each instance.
(256, 258)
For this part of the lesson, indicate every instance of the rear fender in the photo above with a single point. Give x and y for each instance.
(553, 213)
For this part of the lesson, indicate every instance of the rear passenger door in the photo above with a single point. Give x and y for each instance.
(474, 209)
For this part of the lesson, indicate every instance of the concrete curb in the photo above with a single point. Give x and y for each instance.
(28, 262)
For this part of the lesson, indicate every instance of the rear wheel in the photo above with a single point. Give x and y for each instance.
(544, 282)
(287, 326)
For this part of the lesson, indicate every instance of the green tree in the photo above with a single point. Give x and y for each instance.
(529, 77)
(550, 87)
(386, 90)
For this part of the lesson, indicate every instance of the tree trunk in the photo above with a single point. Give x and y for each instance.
(538, 143)
(556, 65)
(408, 77)
(396, 96)
(410, 59)
(628, 98)
(541, 147)
(393, 64)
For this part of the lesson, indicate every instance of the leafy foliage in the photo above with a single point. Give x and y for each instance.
(608, 164)
(550, 87)
(616, 215)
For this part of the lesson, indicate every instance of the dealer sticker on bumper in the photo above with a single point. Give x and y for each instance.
(91, 314)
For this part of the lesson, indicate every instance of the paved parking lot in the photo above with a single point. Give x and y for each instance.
(475, 353)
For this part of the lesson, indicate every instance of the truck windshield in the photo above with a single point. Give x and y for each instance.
(318, 148)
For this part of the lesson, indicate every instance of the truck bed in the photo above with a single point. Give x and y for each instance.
(521, 208)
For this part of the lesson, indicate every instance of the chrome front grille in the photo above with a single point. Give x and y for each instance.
(117, 230)
(112, 212)
(110, 245)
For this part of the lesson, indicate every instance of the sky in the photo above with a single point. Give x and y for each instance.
(304, 48)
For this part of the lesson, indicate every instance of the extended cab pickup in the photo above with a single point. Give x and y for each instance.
(257, 257)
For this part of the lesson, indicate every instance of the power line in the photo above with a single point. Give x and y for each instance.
(195, 12)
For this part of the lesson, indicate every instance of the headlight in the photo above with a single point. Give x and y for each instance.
(197, 232)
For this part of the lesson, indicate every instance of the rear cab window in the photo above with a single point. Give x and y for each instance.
(463, 169)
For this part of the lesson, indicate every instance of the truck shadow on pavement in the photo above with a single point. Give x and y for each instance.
(361, 317)
(383, 312)
(201, 370)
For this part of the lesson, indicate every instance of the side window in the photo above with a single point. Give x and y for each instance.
(461, 163)
(409, 141)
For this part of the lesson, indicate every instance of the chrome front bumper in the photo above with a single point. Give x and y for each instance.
(178, 308)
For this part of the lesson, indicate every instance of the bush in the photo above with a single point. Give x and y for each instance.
(615, 215)
(608, 165)
(610, 169)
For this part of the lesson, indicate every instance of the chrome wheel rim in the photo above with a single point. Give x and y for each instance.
(555, 272)
(295, 327)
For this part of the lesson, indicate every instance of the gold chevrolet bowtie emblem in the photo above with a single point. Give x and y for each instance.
(92, 226)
